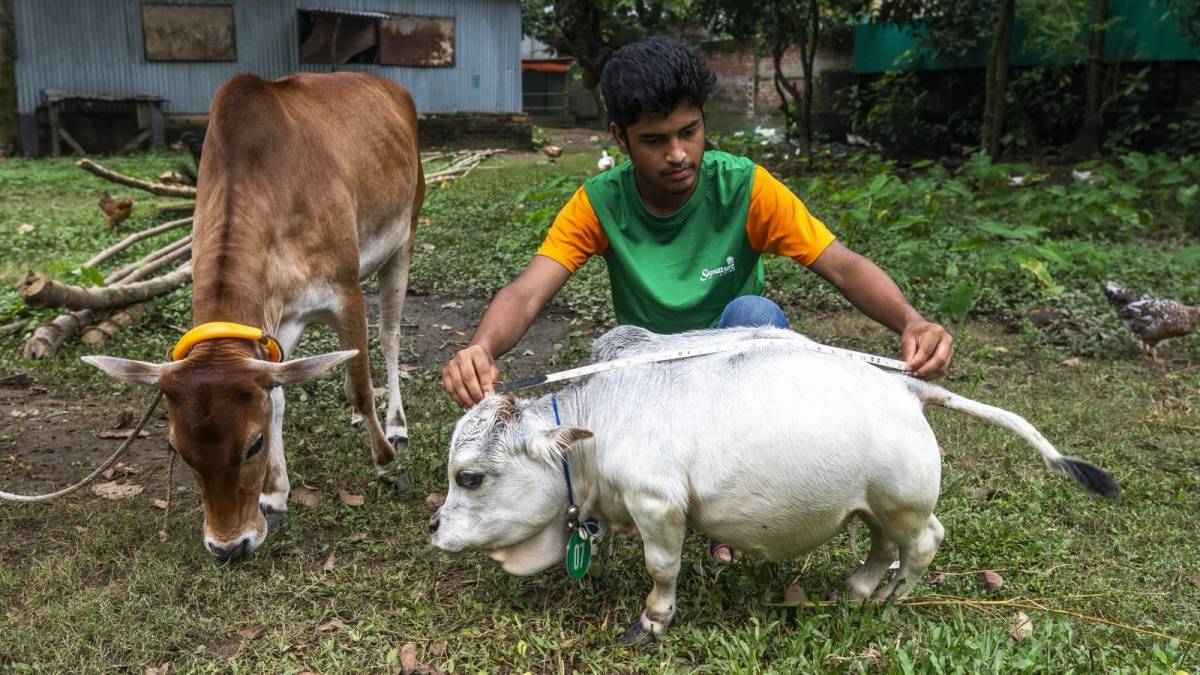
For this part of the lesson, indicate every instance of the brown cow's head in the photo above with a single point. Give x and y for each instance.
(220, 409)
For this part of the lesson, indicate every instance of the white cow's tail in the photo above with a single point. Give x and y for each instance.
(1090, 477)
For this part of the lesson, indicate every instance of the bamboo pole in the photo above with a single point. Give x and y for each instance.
(135, 238)
(153, 188)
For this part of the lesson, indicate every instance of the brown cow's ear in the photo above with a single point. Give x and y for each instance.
(554, 444)
(127, 371)
(303, 370)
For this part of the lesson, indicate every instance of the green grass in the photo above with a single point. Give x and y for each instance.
(115, 599)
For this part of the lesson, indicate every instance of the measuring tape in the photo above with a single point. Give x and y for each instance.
(742, 346)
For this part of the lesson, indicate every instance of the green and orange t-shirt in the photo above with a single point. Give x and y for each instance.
(675, 273)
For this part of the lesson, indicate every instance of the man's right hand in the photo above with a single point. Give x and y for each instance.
(470, 376)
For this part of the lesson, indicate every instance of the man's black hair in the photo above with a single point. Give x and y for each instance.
(654, 75)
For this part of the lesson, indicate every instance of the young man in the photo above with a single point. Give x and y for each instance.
(682, 230)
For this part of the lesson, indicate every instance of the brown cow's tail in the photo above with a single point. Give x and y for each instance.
(1087, 475)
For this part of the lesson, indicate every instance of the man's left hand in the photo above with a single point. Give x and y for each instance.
(927, 348)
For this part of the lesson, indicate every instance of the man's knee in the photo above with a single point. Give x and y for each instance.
(752, 310)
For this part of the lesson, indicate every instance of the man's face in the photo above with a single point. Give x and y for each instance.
(665, 151)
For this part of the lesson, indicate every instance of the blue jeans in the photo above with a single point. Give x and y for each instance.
(752, 310)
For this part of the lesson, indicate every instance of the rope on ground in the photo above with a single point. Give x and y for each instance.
(12, 497)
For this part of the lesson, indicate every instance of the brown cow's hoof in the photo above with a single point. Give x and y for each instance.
(636, 635)
(395, 481)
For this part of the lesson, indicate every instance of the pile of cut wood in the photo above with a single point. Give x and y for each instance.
(128, 291)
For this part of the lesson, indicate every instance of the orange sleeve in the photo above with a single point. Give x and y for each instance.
(576, 234)
(779, 222)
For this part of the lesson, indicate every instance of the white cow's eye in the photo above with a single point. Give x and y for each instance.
(468, 479)
(255, 447)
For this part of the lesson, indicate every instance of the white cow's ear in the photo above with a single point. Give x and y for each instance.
(554, 444)
(303, 370)
(128, 371)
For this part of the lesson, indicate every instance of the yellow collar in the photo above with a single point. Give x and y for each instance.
(225, 329)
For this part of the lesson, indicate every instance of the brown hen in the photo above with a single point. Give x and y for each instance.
(115, 210)
(1151, 319)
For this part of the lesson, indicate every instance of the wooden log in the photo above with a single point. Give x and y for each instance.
(38, 290)
(49, 337)
(97, 335)
(153, 188)
(135, 238)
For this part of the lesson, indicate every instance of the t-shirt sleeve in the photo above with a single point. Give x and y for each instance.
(779, 223)
(576, 234)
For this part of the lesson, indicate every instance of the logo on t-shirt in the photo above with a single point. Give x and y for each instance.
(728, 267)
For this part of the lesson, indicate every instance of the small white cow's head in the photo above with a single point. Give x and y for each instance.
(507, 496)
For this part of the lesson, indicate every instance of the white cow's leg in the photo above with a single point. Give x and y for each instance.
(916, 552)
(393, 284)
(662, 527)
(276, 486)
(862, 583)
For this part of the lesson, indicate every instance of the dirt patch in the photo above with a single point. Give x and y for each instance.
(50, 431)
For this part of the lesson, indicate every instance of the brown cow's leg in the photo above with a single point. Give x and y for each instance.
(352, 328)
(393, 284)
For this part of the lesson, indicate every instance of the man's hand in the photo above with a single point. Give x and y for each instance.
(471, 375)
(927, 349)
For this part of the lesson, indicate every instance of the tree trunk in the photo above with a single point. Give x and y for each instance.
(997, 79)
(38, 290)
(808, 58)
(1087, 142)
(789, 102)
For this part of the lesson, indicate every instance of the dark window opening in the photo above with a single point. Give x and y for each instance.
(335, 38)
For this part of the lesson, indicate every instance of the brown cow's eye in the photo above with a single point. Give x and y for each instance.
(468, 479)
(254, 447)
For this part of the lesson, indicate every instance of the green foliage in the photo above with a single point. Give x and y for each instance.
(893, 111)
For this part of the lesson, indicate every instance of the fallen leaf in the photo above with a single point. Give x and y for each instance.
(305, 496)
(438, 648)
(453, 304)
(25, 228)
(941, 452)
(112, 490)
(1022, 627)
(253, 632)
(446, 327)
(408, 658)
(349, 499)
(107, 474)
(80, 529)
(159, 670)
(434, 500)
(527, 352)
(121, 434)
(160, 503)
(331, 625)
(1072, 362)
(162, 535)
(357, 537)
(1000, 350)
(460, 333)
(330, 563)
(427, 247)
(379, 392)
(423, 220)
(938, 580)
(990, 581)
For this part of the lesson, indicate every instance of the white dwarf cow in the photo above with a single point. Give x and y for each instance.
(307, 185)
(770, 450)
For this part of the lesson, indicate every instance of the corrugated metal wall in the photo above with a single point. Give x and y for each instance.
(95, 47)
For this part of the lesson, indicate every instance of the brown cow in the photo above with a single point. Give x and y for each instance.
(308, 185)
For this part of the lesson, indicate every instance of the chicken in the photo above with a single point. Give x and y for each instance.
(552, 151)
(1151, 319)
(606, 162)
(115, 210)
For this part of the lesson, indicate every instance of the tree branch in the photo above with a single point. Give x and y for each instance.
(38, 290)
(159, 189)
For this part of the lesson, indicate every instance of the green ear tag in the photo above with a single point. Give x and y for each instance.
(579, 556)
